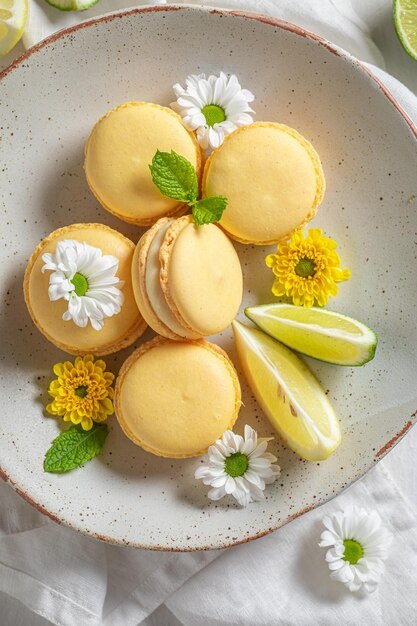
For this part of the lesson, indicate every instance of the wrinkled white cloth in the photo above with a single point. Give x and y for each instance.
(51, 574)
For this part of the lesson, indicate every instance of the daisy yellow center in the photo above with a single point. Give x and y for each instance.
(81, 391)
(214, 114)
(305, 267)
(236, 464)
(353, 551)
(80, 284)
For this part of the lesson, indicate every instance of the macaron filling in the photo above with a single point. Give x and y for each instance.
(153, 285)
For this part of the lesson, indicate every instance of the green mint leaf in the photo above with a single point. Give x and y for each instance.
(209, 209)
(74, 447)
(174, 176)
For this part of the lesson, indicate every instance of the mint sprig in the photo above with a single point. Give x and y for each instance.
(209, 209)
(176, 178)
(74, 447)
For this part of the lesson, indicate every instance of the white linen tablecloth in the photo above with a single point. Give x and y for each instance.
(51, 574)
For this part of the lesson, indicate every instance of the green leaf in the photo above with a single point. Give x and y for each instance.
(174, 176)
(209, 209)
(74, 447)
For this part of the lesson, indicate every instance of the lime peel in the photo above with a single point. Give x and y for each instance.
(405, 20)
(319, 333)
(72, 5)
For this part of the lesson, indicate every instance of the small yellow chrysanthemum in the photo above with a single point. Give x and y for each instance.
(307, 269)
(83, 392)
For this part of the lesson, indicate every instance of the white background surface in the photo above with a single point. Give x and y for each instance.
(281, 579)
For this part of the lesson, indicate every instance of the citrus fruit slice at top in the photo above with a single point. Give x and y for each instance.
(405, 20)
(317, 332)
(288, 393)
(72, 5)
(13, 15)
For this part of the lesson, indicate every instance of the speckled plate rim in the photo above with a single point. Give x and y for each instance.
(332, 49)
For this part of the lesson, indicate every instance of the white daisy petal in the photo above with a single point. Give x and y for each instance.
(258, 451)
(250, 433)
(103, 297)
(222, 481)
(247, 95)
(256, 493)
(243, 120)
(365, 529)
(331, 538)
(254, 479)
(201, 472)
(232, 441)
(202, 136)
(216, 494)
(230, 484)
(214, 452)
(228, 127)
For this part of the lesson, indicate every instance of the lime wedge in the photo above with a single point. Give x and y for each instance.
(320, 333)
(288, 393)
(13, 15)
(405, 20)
(72, 5)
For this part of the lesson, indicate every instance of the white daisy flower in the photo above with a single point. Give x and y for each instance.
(213, 107)
(239, 466)
(86, 279)
(358, 545)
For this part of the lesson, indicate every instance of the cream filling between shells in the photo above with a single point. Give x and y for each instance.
(153, 285)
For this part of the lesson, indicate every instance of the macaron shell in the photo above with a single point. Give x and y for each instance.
(119, 331)
(188, 395)
(117, 157)
(272, 178)
(201, 276)
(154, 290)
(139, 281)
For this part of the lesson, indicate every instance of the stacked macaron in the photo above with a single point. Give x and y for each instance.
(187, 279)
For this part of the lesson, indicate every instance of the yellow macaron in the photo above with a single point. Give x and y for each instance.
(118, 154)
(119, 329)
(187, 279)
(272, 178)
(176, 398)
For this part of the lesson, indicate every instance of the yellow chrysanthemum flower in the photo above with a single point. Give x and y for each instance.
(307, 269)
(83, 392)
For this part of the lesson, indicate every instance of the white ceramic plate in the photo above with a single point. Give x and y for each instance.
(49, 101)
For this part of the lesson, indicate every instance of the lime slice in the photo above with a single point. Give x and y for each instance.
(319, 333)
(72, 5)
(13, 15)
(405, 20)
(288, 393)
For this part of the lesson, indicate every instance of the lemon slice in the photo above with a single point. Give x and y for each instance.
(405, 20)
(320, 333)
(13, 15)
(72, 5)
(288, 393)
